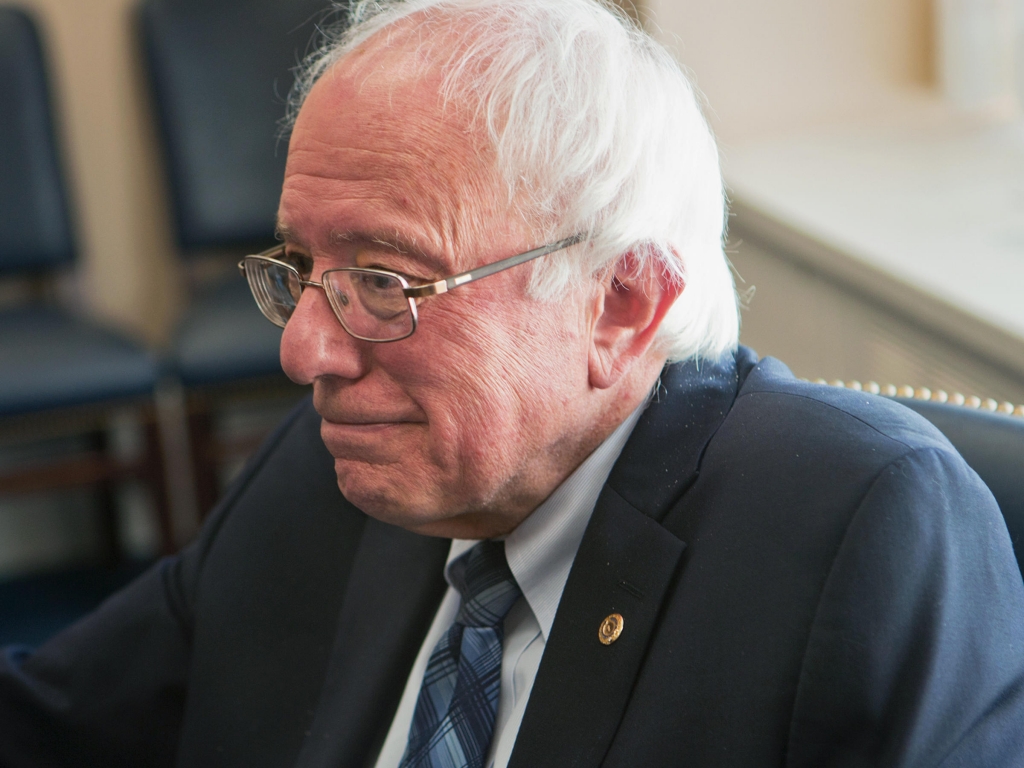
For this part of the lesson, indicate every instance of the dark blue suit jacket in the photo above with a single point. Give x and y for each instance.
(809, 577)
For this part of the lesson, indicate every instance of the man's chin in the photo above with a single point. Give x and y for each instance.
(383, 499)
(387, 506)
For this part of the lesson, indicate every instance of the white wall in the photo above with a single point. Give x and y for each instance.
(770, 66)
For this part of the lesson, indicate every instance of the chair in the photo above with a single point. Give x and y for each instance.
(990, 437)
(61, 376)
(219, 71)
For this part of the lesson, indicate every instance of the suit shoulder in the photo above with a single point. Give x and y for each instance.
(800, 410)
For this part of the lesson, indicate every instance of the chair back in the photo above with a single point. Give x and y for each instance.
(220, 71)
(35, 230)
(993, 445)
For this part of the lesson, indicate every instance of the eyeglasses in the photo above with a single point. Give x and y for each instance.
(370, 304)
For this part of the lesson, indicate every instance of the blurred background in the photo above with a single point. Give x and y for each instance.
(873, 149)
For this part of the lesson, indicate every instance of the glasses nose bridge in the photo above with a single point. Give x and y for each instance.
(304, 284)
(311, 284)
(315, 343)
(330, 298)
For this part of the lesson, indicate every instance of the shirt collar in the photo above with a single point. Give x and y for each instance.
(541, 550)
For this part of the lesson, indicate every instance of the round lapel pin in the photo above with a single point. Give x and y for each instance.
(610, 629)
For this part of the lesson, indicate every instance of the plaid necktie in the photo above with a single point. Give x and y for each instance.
(454, 718)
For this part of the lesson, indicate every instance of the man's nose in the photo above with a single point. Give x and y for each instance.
(314, 343)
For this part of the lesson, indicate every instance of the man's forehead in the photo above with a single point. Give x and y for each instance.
(399, 53)
(407, 61)
(422, 43)
(377, 157)
(385, 98)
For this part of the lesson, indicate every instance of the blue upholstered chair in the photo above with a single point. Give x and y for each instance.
(59, 373)
(219, 72)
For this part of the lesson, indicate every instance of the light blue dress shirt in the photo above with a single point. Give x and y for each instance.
(540, 553)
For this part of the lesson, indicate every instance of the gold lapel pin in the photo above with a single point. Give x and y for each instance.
(610, 629)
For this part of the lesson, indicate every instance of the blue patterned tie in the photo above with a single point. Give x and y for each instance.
(458, 703)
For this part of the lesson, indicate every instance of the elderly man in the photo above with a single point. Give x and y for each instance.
(501, 223)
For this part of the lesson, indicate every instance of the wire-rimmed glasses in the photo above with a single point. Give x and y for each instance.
(371, 304)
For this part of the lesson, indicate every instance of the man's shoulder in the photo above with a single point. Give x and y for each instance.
(740, 417)
(811, 451)
(773, 401)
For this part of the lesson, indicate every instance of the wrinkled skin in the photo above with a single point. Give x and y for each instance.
(465, 427)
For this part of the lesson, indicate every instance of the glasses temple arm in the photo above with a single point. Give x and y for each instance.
(442, 286)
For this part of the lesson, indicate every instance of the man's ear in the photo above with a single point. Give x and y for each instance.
(634, 298)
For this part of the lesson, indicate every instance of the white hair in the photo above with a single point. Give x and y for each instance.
(595, 127)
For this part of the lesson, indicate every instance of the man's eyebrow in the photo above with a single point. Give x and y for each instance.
(391, 240)
(283, 232)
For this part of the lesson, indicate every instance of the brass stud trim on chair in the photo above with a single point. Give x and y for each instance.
(935, 396)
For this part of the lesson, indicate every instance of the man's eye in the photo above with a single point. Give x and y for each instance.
(412, 280)
(302, 263)
(378, 282)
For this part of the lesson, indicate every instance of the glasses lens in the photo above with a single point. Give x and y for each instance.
(275, 287)
(371, 305)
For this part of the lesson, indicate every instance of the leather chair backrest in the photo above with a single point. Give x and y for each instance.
(35, 231)
(993, 446)
(220, 71)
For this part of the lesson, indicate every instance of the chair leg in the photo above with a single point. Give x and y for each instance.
(154, 476)
(204, 459)
(106, 498)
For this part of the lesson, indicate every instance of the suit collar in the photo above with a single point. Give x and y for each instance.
(662, 458)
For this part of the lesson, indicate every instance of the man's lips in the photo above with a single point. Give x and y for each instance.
(332, 427)
(354, 426)
(370, 440)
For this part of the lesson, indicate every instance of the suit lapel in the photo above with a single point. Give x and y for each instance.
(392, 594)
(626, 564)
